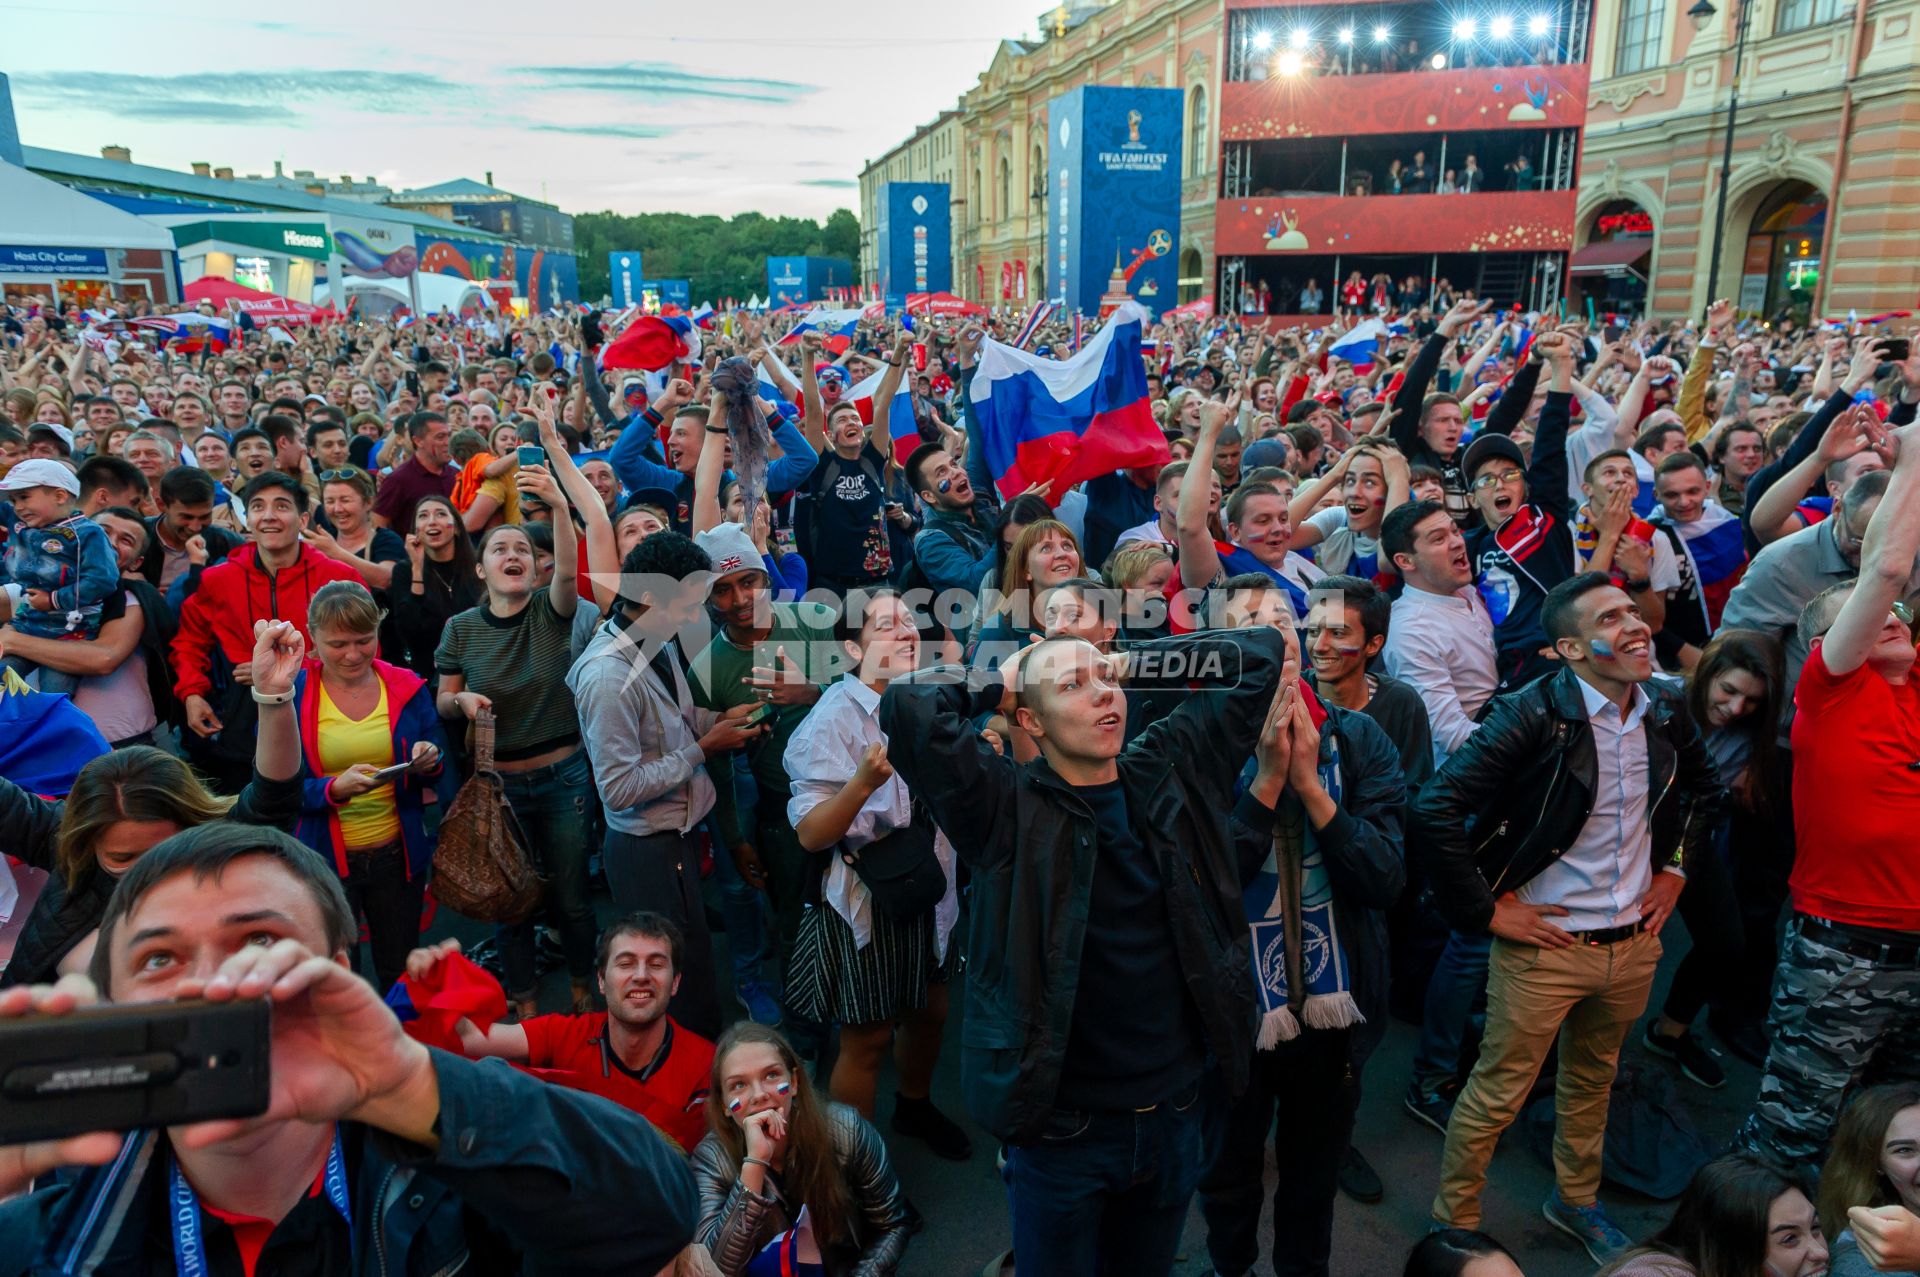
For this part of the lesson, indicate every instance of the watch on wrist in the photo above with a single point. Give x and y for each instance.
(271, 698)
(1640, 586)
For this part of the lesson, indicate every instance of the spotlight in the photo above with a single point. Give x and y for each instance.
(1500, 28)
(1381, 35)
(1464, 29)
(1263, 40)
(1439, 62)
(1298, 38)
(1346, 35)
(1288, 63)
(1538, 25)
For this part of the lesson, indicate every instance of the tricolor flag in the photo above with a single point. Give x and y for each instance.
(902, 426)
(1717, 550)
(653, 342)
(703, 315)
(1035, 318)
(194, 330)
(836, 325)
(1065, 421)
(1360, 345)
(1079, 330)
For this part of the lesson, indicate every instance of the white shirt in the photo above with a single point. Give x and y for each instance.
(820, 760)
(1603, 876)
(1148, 531)
(1339, 544)
(1442, 646)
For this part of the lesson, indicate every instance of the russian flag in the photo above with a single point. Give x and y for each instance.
(195, 331)
(837, 325)
(1360, 345)
(1718, 549)
(773, 391)
(902, 427)
(703, 315)
(454, 989)
(1065, 421)
(652, 342)
(1036, 317)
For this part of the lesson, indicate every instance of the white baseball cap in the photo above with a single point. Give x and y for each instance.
(55, 429)
(41, 472)
(730, 549)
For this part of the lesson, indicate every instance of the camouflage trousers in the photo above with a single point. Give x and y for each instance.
(1835, 1022)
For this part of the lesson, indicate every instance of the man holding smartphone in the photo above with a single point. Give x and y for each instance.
(370, 1139)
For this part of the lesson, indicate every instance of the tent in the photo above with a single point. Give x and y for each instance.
(1199, 308)
(265, 308)
(52, 232)
(942, 304)
(377, 298)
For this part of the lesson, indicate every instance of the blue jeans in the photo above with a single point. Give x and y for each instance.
(51, 680)
(742, 907)
(1459, 982)
(1107, 1193)
(554, 804)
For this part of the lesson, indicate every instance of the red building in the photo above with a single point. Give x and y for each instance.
(1413, 141)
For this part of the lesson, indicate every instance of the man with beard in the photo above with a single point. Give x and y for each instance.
(633, 1053)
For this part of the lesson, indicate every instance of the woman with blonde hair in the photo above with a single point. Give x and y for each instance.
(1140, 570)
(124, 802)
(360, 716)
(789, 1184)
(1874, 1161)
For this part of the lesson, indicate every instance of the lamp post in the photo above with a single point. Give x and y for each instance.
(1702, 13)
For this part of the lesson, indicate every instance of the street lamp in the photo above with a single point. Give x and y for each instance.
(1701, 14)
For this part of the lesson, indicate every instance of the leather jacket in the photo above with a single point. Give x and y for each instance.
(735, 1224)
(1525, 782)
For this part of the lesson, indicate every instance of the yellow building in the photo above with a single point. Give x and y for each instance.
(1821, 214)
(998, 138)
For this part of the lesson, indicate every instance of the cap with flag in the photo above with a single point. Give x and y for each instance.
(837, 326)
(652, 342)
(1064, 421)
(1360, 345)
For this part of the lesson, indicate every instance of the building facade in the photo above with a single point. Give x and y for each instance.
(993, 147)
(1820, 215)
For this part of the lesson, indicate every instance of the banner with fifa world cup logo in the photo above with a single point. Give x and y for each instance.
(915, 240)
(1113, 197)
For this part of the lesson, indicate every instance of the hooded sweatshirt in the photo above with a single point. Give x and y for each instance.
(233, 595)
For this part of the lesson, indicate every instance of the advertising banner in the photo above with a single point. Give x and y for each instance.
(547, 279)
(26, 259)
(915, 238)
(1113, 215)
(624, 276)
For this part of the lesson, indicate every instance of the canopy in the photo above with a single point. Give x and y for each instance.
(39, 214)
(942, 304)
(1199, 308)
(1609, 257)
(266, 308)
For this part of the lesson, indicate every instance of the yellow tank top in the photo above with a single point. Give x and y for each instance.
(369, 820)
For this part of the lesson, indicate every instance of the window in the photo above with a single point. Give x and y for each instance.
(1197, 157)
(1638, 46)
(1006, 188)
(1795, 14)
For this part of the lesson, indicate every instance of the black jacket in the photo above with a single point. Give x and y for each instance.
(1029, 839)
(220, 543)
(528, 1177)
(63, 917)
(1526, 779)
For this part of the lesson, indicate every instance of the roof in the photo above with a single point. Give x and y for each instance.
(1609, 257)
(462, 188)
(45, 214)
(86, 169)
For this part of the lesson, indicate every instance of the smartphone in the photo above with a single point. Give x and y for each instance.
(1897, 349)
(1614, 332)
(532, 454)
(388, 773)
(118, 1068)
(760, 714)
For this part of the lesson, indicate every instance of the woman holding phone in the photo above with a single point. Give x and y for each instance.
(370, 750)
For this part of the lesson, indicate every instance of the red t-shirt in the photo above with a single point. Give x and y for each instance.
(673, 1093)
(1856, 797)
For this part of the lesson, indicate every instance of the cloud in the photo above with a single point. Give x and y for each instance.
(201, 111)
(241, 97)
(657, 79)
(637, 132)
(836, 183)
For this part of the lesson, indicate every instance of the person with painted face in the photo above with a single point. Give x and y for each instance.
(1564, 826)
(1372, 480)
(1738, 1218)
(791, 1185)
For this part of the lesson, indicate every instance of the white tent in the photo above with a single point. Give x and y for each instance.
(38, 213)
(380, 297)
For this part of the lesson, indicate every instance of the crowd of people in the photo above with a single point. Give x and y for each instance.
(1433, 686)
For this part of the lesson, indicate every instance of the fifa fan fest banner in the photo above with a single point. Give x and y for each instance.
(624, 277)
(548, 280)
(805, 279)
(915, 240)
(1113, 215)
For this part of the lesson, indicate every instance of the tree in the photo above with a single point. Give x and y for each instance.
(719, 257)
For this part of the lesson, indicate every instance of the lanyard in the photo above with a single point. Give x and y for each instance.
(189, 1250)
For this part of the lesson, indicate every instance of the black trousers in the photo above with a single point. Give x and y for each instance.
(380, 891)
(661, 872)
(1715, 926)
(1303, 1082)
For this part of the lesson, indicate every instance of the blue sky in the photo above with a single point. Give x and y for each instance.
(645, 106)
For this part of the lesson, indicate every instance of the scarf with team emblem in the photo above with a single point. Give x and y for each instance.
(1300, 964)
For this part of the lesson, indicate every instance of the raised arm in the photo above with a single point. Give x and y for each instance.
(708, 471)
(1199, 559)
(880, 432)
(1886, 561)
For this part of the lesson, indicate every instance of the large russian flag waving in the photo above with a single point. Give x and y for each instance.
(1065, 421)
(836, 325)
(1360, 345)
(902, 427)
(652, 342)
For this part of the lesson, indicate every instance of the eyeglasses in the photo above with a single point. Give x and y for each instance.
(1492, 477)
(336, 476)
(1901, 612)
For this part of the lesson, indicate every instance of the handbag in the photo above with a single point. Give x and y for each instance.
(482, 869)
(900, 870)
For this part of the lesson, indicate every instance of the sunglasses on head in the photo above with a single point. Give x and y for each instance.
(334, 476)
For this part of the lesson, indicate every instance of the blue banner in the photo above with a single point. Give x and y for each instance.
(915, 235)
(805, 279)
(624, 277)
(1113, 208)
(23, 259)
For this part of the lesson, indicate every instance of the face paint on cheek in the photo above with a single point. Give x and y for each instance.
(1344, 650)
(1601, 649)
(735, 1104)
(783, 1088)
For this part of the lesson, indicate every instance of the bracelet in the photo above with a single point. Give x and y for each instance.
(716, 430)
(1639, 587)
(271, 698)
(757, 1161)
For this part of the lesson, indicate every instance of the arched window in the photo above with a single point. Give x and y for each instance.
(1006, 188)
(1199, 160)
(1786, 232)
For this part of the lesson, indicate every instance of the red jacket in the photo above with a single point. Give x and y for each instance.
(233, 595)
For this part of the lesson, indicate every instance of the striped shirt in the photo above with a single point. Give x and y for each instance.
(520, 663)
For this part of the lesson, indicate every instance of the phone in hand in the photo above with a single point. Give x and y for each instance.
(118, 1068)
(532, 454)
(759, 714)
(1897, 349)
(386, 774)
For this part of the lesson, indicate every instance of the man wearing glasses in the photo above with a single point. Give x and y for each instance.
(1524, 545)
(1846, 993)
